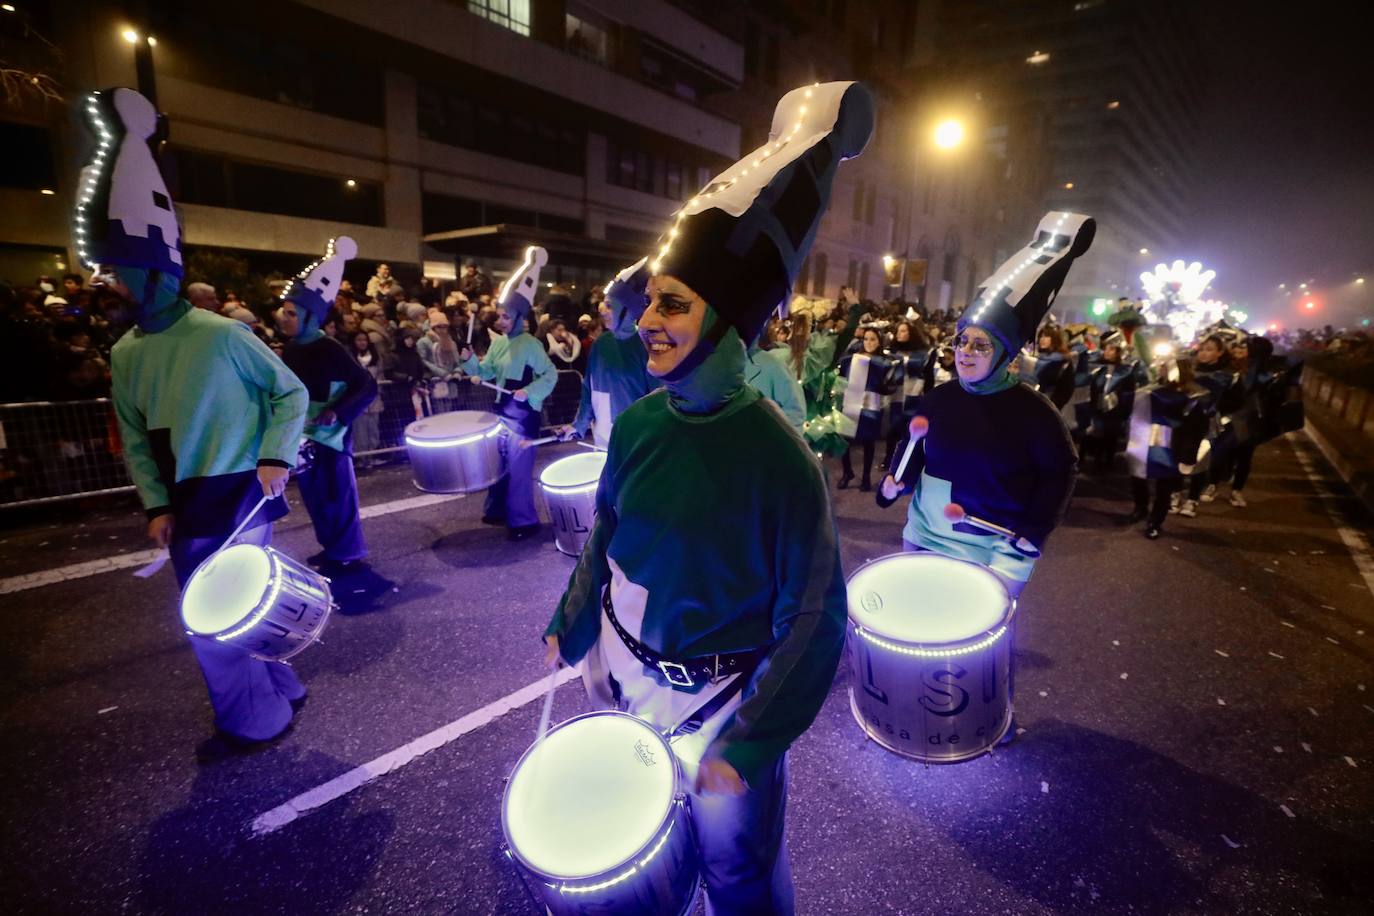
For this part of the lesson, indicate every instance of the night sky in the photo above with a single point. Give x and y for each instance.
(1285, 178)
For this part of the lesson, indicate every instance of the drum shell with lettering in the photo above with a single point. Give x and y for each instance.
(935, 700)
(294, 605)
(462, 451)
(569, 487)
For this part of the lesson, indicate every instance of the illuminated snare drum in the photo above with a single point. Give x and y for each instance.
(595, 816)
(457, 452)
(929, 654)
(569, 486)
(257, 599)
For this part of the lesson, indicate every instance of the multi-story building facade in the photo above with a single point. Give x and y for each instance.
(1116, 86)
(429, 130)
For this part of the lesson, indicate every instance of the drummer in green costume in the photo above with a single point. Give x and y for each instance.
(710, 599)
(517, 364)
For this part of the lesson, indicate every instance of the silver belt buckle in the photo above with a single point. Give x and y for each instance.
(676, 674)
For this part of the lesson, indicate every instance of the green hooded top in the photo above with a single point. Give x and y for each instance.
(711, 502)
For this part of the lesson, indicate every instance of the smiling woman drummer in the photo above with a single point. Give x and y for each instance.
(710, 593)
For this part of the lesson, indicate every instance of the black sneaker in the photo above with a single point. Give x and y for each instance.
(298, 703)
(866, 486)
(1137, 514)
(845, 481)
(493, 520)
(1152, 532)
(316, 559)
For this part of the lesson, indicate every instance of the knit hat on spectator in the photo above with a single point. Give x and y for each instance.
(437, 317)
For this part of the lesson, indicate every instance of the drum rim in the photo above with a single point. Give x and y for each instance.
(618, 872)
(454, 439)
(253, 616)
(969, 644)
(566, 489)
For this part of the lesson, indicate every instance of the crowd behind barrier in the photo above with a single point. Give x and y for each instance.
(59, 450)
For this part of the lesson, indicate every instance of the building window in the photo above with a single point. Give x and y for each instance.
(535, 138)
(218, 181)
(28, 150)
(804, 276)
(863, 280)
(928, 197)
(771, 57)
(852, 280)
(858, 213)
(870, 205)
(442, 213)
(638, 170)
(509, 14)
(587, 40)
(818, 269)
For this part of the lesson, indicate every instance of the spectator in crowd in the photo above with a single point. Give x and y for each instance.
(72, 286)
(381, 283)
(244, 315)
(563, 347)
(367, 426)
(474, 282)
(202, 296)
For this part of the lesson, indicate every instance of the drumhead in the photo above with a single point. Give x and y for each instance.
(574, 472)
(226, 589)
(590, 795)
(454, 428)
(926, 598)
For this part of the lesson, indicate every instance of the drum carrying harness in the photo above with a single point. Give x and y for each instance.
(692, 672)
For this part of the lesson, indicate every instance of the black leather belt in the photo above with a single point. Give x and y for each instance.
(688, 673)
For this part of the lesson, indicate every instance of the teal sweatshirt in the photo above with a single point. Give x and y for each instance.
(517, 362)
(200, 405)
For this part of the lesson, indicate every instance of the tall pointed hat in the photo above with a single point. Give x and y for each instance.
(124, 214)
(517, 293)
(1012, 302)
(740, 242)
(314, 288)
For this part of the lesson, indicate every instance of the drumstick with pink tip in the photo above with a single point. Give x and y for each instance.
(955, 513)
(496, 387)
(918, 428)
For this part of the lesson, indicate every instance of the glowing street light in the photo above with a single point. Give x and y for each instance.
(130, 36)
(949, 134)
(1068, 186)
(351, 183)
(1144, 251)
(1039, 57)
(1359, 281)
(152, 42)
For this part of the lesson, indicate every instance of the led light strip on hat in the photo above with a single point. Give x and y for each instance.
(997, 286)
(92, 179)
(770, 150)
(328, 253)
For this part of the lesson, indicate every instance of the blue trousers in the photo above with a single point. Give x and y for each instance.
(512, 497)
(742, 848)
(330, 493)
(251, 697)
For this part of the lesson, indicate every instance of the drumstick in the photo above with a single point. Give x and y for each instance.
(592, 446)
(530, 443)
(549, 688)
(918, 429)
(955, 513)
(243, 524)
(498, 387)
(472, 322)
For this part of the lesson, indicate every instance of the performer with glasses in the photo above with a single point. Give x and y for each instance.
(996, 448)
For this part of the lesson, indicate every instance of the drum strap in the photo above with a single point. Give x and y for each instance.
(689, 673)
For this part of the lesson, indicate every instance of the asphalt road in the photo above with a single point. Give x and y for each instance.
(1197, 719)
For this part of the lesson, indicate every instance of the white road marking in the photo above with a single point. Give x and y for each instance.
(11, 584)
(356, 778)
(1354, 540)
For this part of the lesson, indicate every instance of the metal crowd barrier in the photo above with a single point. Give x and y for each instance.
(52, 451)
